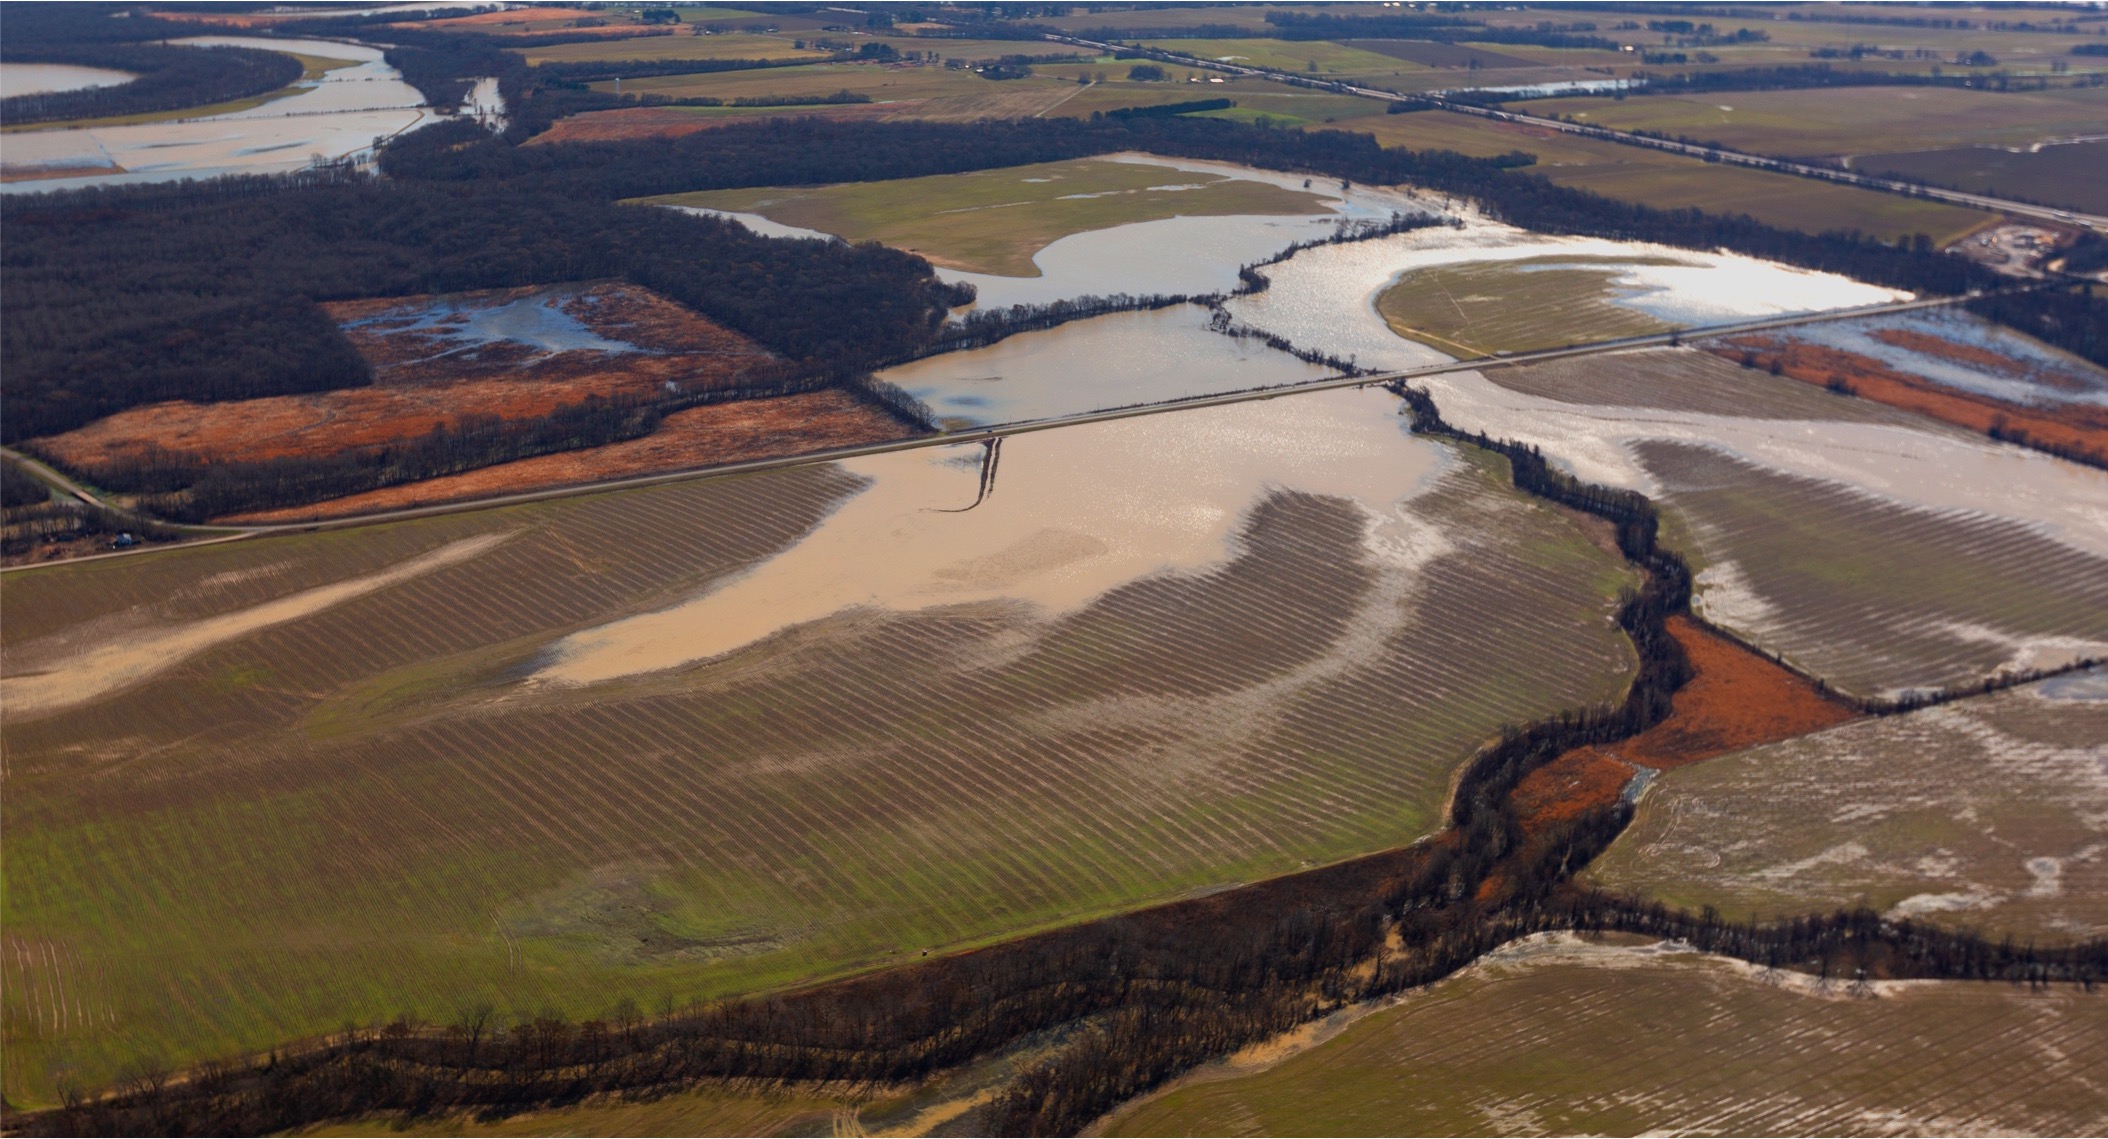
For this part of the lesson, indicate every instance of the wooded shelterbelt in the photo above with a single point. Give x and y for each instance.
(1150, 994)
(2072, 319)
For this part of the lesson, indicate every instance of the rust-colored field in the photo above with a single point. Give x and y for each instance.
(423, 382)
(2073, 425)
(1736, 699)
(698, 437)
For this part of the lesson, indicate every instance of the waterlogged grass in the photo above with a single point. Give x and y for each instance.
(993, 221)
(1601, 1041)
(1987, 814)
(1669, 181)
(365, 812)
(1478, 309)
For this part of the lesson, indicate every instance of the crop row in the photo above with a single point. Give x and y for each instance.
(843, 797)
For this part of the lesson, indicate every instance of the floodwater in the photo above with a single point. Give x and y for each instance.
(1109, 361)
(1931, 467)
(339, 115)
(2026, 371)
(1326, 297)
(136, 655)
(51, 78)
(467, 321)
(1072, 514)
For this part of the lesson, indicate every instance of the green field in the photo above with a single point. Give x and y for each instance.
(1669, 181)
(1874, 595)
(1556, 1038)
(1820, 123)
(1483, 308)
(1989, 813)
(365, 811)
(993, 221)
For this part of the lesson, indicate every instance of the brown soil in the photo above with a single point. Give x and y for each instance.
(697, 437)
(416, 391)
(2077, 426)
(1737, 699)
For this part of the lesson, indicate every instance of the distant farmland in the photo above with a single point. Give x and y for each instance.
(1556, 1037)
(1988, 813)
(1671, 181)
(362, 811)
(2073, 175)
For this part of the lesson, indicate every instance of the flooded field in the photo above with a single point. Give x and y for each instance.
(50, 78)
(1989, 813)
(1553, 1035)
(339, 114)
(1088, 365)
(1327, 297)
(1959, 349)
(741, 732)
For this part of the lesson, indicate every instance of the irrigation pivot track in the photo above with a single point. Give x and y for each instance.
(984, 434)
(2095, 222)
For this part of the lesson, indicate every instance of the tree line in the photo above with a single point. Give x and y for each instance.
(2072, 319)
(115, 297)
(1149, 994)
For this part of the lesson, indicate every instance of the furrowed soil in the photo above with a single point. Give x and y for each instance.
(1554, 1035)
(2082, 427)
(711, 435)
(1989, 813)
(423, 380)
(368, 808)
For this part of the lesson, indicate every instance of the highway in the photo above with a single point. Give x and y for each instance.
(2094, 222)
(973, 435)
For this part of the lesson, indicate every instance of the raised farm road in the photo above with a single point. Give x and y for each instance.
(983, 434)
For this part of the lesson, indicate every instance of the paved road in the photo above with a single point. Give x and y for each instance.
(980, 434)
(2094, 222)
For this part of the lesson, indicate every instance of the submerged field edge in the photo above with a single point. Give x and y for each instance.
(979, 434)
(1159, 990)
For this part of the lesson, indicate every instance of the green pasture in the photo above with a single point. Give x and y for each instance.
(680, 45)
(1305, 57)
(993, 221)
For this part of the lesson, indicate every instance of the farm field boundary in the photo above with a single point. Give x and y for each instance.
(1173, 986)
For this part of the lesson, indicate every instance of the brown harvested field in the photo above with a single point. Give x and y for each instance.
(2083, 427)
(1556, 1036)
(711, 435)
(429, 373)
(1989, 813)
(1684, 379)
